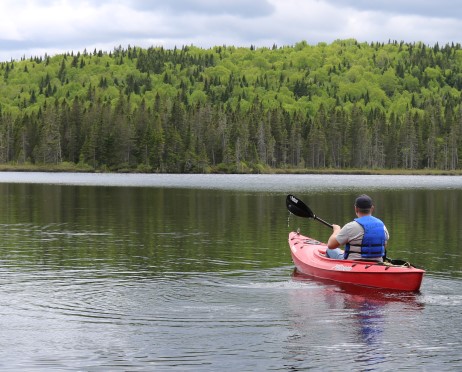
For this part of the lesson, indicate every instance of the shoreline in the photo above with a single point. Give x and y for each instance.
(77, 168)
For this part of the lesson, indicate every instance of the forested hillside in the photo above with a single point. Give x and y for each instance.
(343, 105)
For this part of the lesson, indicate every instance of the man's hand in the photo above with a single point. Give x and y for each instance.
(332, 242)
(336, 228)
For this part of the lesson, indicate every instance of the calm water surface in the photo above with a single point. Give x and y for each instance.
(172, 272)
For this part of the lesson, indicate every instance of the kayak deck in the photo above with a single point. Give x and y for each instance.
(309, 258)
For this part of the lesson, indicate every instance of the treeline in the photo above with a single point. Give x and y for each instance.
(226, 109)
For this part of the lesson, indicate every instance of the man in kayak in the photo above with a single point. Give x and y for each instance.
(363, 238)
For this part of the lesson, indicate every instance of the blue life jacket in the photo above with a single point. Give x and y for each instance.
(373, 243)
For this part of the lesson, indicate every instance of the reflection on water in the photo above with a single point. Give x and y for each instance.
(370, 329)
(148, 278)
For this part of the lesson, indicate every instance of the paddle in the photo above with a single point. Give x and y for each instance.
(300, 209)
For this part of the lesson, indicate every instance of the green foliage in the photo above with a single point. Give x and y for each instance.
(242, 110)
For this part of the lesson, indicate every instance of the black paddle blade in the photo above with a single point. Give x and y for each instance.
(300, 209)
(297, 207)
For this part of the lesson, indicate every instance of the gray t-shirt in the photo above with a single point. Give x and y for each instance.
(353, 233)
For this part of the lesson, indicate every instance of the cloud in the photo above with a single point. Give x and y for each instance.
(238, 8)
(428, 9)
(33, 27)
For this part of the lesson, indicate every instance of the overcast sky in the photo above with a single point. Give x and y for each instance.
(35, 27)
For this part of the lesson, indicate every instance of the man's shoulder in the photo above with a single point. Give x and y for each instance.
(351, 228)
(350, 225)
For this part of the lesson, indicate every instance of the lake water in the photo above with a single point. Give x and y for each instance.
(193, 272)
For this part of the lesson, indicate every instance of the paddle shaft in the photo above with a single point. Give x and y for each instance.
(323, 222)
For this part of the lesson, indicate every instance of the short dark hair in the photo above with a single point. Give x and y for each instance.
(363, 203)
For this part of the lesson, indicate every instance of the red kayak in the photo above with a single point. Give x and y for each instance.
(310, 259)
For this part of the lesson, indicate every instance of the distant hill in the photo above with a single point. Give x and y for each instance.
(342, 105)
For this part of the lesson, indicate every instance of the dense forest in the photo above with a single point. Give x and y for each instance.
(344, 105)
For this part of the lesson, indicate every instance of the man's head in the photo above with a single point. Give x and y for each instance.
(363, 204)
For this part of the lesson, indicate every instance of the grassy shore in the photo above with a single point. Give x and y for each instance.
(62, 167)
(71, 167)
